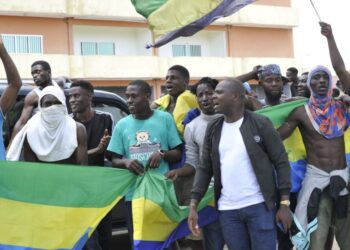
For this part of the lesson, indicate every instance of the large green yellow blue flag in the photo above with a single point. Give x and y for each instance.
(169, 19)
(55, 206)
(46, 206)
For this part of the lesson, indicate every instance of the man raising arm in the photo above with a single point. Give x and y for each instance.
(8, 98)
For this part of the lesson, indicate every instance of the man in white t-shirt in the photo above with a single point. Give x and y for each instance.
(243, 151)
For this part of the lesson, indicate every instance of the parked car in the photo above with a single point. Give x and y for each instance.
(102, 101)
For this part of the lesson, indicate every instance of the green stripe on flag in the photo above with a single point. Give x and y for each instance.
(279, 113)
(146, 7)
(154, 187)
(62, 185)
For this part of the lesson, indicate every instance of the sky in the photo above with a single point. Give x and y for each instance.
(310, 47)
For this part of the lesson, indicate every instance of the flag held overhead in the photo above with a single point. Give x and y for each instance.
(170, 19)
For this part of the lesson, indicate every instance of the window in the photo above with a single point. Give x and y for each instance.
(186, 50)
(179, 50)
(27, 44)
(97, 48)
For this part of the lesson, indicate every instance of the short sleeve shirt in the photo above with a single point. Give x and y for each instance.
(138, 139)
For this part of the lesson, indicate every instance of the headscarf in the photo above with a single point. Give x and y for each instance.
(51, 133)
(328, 116)
(267, 70)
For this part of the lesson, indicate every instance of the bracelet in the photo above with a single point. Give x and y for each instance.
(161, 152)
(285, 202)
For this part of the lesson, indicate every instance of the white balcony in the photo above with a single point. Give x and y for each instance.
(141, 67)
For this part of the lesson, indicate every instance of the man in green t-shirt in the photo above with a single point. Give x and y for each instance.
(146, 139)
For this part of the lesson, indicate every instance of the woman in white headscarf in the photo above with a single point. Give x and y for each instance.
(51, 135)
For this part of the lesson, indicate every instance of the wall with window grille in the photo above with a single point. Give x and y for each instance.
(23, 44)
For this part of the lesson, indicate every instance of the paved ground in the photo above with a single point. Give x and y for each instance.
(121, 242)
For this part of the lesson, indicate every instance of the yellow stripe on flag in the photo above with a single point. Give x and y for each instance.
(295, 147)
(175, 14)
(150, 222)
(44, 226)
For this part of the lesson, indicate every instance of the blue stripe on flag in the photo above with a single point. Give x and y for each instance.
(226, 8)
(78, 246)
(9, 247)
(206, 216)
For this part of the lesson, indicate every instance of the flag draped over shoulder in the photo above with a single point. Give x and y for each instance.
(294, 144)
(169, 19)
(47, 206)
(158, 220)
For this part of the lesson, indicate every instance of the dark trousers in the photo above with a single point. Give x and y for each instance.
(213, 238)
(249, 228)
(284, 242)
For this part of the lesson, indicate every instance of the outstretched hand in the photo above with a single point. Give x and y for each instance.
(326, 29)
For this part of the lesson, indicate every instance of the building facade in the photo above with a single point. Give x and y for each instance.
(104, 41)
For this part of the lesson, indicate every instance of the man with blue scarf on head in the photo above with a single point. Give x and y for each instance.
(323, 199)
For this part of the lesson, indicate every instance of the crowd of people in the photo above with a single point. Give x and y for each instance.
(206, 135)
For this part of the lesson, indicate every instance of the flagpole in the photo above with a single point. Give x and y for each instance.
(312, 3)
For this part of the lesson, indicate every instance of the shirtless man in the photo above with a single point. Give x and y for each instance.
(322, 122)
(41, 72)
(51, 135)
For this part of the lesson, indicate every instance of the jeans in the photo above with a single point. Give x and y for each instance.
(213, 238)
(251, 227)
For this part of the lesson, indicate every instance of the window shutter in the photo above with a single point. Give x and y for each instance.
(88, 48)
(105, 48)
(179, 50)
(9, 42)
(195, 50)
(21, 44)
(35, 44)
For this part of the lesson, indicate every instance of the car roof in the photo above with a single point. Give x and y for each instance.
(99, 96)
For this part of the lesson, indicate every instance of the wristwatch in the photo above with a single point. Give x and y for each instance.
(161, 152)
(285, 202)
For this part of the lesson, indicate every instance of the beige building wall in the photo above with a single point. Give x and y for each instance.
(53, 30)
(259, 34)
(260, 42)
